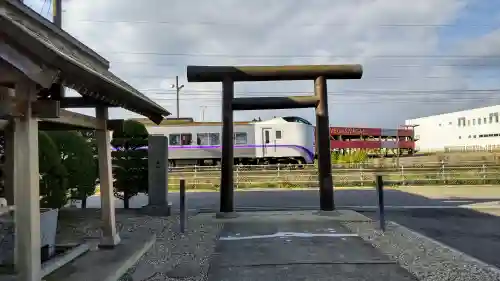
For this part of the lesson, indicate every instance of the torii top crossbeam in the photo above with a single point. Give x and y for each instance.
(272, 73)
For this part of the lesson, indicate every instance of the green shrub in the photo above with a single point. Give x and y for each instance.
(77, 157)
(53, 174)
(130, 163)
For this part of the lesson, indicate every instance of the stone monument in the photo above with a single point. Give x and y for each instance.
(158, 176)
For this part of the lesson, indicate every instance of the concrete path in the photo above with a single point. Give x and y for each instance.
(297, 247)
(271, 199)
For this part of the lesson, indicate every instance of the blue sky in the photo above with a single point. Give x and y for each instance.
(319, 32)
(478, 18)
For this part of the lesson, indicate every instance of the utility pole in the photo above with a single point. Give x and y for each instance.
(177, 90)
(57, 20)
(57, 12)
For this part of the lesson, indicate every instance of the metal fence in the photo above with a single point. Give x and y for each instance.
(293, 176)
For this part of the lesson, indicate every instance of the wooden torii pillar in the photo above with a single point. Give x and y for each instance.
(230, 74)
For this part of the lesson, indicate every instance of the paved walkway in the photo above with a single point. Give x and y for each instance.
(268, 246)
(282, 198)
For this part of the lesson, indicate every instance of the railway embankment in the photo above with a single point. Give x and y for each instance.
(306, 176)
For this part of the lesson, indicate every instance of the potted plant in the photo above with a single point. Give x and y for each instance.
(53, 195)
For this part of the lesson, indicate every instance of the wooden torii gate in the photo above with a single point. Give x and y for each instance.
(230, 74)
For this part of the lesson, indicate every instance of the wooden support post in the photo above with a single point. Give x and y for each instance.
(26, 187)
(109, 235)
(182, 205)
(9, 163)
(226, 181)
(7, 94)
(323, 143)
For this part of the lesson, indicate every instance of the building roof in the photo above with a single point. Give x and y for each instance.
(493, 108)
(80, 68)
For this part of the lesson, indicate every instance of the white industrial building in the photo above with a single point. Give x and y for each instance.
(474, 129)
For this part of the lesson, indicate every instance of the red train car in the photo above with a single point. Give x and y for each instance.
(372, 132)
(350, 131)
(374, 139)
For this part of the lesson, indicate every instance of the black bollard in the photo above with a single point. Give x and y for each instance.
(381, 206)
(182, 203)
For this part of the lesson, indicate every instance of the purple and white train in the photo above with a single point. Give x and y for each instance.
(287, 140)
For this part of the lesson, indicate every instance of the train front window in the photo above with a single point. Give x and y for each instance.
(296, 119)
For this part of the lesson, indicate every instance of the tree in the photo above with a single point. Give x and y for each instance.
(90, 138)
(53, 175)
(130, 160)
(77, 157)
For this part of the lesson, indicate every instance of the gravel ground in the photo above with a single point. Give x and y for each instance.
(174, 256)
(186, 256)
(78, 225)
(474, 232)
(423, 257)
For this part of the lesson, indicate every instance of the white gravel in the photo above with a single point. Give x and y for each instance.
(425, 258)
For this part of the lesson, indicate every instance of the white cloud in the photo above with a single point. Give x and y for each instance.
(333, 31)
(485, 47)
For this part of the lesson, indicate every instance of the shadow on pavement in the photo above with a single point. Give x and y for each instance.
(310, 199)
(475, 232)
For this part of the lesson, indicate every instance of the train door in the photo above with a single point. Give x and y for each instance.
(268, 142)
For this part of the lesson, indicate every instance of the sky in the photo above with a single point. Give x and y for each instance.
(419, 58)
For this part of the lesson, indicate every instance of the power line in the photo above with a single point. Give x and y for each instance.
(355, 99)
(43, 6)
(135, 76)
(384, 101)
(275, 56)
(220, 23)
(356, 91)
(365, 77)
(387, 98)
(217, 101)
(174, 65)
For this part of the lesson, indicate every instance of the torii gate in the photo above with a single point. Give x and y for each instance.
(230, 74)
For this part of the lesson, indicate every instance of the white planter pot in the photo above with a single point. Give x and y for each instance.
(48, 230)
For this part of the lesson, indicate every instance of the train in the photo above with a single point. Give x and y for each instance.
(281, 140)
